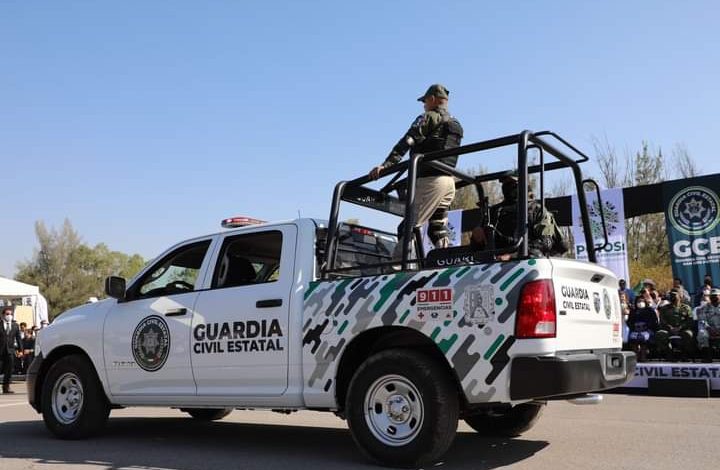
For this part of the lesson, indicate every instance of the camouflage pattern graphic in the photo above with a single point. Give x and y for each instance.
(449, 306)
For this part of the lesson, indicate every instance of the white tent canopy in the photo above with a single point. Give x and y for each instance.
(10, 288)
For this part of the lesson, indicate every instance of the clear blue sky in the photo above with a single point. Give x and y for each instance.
(145, 123)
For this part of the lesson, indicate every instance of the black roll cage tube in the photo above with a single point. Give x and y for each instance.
(382, 200)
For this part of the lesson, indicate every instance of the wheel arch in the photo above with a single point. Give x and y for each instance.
(54, 356)
(379, 339)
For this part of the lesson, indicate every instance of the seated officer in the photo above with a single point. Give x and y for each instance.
(544, 237)
(675, 320)
(708, 317)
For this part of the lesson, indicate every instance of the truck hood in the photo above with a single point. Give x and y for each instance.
(85, 312)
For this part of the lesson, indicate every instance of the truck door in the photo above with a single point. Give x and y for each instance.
(239, 331)
(147, 335)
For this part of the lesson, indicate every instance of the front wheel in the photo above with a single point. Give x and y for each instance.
(208, 414)
(74, 405)
(402, 408)
(511, 423)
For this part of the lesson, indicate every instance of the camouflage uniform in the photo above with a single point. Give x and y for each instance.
(675, 320)
(544, 237)
(433, 130)
(708, 317)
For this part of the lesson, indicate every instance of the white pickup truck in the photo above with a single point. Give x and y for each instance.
(259, 317)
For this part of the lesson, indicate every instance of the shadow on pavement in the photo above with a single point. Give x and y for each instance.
(184, 444)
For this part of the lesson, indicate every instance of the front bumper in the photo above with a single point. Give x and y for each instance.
(31, 381)
(536, 377)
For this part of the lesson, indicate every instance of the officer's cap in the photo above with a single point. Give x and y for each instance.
(435, 90)
(715, 291)
(511, 176)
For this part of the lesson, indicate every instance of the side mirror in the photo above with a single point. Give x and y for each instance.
(115, 287)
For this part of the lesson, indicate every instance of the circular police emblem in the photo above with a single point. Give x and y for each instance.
(606, 301)
(694, 210)
(151, 343)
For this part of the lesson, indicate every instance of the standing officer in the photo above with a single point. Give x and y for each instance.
(433, 130)
(675, 320)
(9, 338)
(708, 317)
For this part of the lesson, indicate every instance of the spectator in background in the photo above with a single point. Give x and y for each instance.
(654, 296)
(9, 340)
(675, 321)
(622, 288)
(642, 323)
(708, 317)
(684, 295)
(625, 312)
(28, 347)
(704, 290)
(648, 298)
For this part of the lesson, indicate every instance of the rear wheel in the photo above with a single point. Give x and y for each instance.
(74, 405)
(402, 408)
(208, 414)
(511, 423)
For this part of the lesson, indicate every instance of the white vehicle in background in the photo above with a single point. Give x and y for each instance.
(312, 315)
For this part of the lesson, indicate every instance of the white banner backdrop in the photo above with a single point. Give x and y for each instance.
(614, 257)
(454, 226)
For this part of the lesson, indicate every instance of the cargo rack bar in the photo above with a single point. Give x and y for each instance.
(355, 192)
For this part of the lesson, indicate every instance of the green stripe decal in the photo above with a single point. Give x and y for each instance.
(404, 316)
(388, 290)
(511, 279)
(446, 344)
(496, 344)
(463, 271)
(445, 276)
(434, 334)
(342, 327)
(343, 285)
(313, 285)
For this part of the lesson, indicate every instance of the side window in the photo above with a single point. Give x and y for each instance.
(249, 259)
(174, 274)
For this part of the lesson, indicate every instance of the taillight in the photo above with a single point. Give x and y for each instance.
(536, 310)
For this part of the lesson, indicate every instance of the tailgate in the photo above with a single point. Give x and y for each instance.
(588, 306)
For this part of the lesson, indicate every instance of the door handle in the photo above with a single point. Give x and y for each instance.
(268, 303)
(175, 312)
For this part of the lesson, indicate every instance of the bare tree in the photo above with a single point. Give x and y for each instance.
(608, 163)
(683, 163)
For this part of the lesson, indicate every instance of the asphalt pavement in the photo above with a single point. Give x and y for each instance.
(623, 432)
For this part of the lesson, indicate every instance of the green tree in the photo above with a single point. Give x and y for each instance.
(68, 272)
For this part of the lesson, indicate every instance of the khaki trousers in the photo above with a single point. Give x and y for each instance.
(431, 193)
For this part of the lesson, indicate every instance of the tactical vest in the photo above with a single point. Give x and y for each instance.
(446, 136)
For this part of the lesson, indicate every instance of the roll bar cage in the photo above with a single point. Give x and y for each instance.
(355, 192)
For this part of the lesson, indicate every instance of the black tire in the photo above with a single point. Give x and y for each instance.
(512, 423)
(208, 414)
(74, 405)
(429, 417)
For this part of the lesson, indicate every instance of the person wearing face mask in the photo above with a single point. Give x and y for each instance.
(9, 341)
(643, 323)
(708, 318)
(544, 237)
(703, 291)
